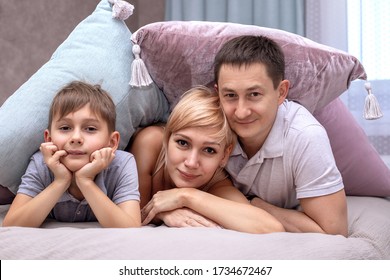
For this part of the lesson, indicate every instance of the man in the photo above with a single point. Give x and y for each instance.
(283, 158)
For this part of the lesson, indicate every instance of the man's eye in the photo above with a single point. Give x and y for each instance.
(64, 128)
(230, 95)
(255, 94)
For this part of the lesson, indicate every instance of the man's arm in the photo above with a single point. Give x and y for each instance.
(312, 218)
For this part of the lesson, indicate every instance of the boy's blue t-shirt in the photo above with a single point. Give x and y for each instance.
(119, 182)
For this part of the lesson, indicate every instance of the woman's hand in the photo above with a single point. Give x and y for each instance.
(185, 217)
(162, 201)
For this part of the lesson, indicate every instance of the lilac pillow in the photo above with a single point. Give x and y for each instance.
(180, 54)
(364, 172)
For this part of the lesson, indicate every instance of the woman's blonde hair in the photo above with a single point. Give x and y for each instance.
(199, 107)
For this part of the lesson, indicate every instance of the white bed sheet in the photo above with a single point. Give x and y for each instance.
(369, 238)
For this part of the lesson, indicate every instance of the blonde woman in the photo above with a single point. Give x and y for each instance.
(181, 170)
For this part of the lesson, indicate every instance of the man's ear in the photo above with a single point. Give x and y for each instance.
(114, 140)
(283, 90)
(46, 135)
(216, 88)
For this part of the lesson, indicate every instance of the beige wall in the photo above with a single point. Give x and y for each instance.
(146, 11)
(30, 31)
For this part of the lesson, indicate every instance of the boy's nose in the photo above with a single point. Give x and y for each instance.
(76, 138)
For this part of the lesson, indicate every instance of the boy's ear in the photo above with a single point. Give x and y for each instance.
(283, 90)
(47, 136)
(114, 140)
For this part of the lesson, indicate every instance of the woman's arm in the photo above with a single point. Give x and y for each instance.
(146, 147)
(225, 205)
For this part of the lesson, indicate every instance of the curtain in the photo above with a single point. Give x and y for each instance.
(287, 15)
(363, 28)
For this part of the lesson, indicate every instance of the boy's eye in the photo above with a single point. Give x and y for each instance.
(64, 128)
(91, 128)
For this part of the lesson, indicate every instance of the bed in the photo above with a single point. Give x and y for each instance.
(369, 227)
(177, 55)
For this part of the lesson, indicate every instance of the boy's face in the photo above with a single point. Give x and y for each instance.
(79, 133)
(250, 101)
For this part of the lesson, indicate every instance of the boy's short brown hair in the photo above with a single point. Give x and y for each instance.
(76, 95)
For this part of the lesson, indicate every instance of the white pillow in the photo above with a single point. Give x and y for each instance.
(98, 51)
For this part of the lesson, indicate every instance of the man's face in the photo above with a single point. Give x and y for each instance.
(250, 100)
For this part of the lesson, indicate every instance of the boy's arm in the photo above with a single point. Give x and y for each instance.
(30, 211)
(109, 214)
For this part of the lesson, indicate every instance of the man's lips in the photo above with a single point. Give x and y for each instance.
(244, 122)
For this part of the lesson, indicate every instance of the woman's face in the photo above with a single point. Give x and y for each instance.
(193, 156)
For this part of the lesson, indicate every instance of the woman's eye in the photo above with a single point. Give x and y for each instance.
(210, 150)
(182, 143)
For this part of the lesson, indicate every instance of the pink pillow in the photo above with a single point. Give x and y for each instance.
(180, 54)
(364, 172)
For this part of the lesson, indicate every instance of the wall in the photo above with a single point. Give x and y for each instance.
(30, 31)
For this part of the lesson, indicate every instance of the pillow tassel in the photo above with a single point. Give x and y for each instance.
(372, 111)
(121, 9)
(139, 73)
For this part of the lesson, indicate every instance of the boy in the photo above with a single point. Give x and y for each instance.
(78, 175)
(283, 157)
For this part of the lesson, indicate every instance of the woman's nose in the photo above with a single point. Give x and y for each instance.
(192, 160)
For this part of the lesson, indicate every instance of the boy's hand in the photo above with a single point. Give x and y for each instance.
(52, 156)
(99, 161)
